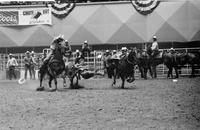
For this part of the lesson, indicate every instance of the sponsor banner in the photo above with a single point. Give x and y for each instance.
(35, 16)
(9, 17)
(25, 16)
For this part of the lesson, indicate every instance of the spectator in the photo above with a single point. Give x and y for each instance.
(85, 49)
(78, 58)
(11, 64)
(27, 62)
(33, 64)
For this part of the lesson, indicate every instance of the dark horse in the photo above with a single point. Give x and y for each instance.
(144, 63)
(166, 58)
(54, 68)
(191, 58)
(124, 68)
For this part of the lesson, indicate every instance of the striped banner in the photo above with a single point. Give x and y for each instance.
(9, 17)
(145, 7)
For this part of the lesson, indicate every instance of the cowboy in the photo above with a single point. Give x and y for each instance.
(68, 49)
(11, 64)
(106, 56)
(77, 57)
(154, 47)
(171, 50)
(28, 63)
(124, 53)
(33, 64)
(114, 52)
(56, 42)
(68, 52)
(85, 49)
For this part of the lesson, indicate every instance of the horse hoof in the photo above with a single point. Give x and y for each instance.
(40, 89)
(52, 90)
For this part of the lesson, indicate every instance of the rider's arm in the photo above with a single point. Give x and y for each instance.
(16, 64)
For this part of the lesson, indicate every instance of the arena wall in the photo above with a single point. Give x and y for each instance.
(112, 23)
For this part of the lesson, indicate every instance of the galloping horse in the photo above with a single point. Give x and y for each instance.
(54, 68)
(124, 68)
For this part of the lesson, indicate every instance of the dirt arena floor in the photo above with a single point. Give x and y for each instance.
(144, 105)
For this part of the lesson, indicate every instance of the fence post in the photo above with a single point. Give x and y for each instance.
(94, 60)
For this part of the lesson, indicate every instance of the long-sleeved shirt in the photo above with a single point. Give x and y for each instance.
(28, 60)
(12, 62)
(33, 60)
(154, 46)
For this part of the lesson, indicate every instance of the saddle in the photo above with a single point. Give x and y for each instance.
(158, 55)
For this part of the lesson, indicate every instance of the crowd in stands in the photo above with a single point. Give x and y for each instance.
(59, 1)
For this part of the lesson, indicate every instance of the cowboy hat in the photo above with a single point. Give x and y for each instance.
(124, 48)
(27, 52)
(85, 41)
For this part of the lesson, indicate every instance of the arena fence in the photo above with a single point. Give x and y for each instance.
(94, 61)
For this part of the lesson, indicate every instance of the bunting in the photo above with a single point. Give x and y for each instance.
(145, 7)
(62, 10)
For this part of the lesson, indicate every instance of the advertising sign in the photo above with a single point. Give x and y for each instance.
(25, 16)
(9, 17)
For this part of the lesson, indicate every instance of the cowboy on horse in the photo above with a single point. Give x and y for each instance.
(53, 64)
(154, 47)
(58, 41)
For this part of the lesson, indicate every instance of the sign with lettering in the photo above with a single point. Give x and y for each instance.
(9, 17)
(25, 16)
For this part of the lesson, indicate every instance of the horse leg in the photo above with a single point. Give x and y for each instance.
(56, 83)
(123, 81)
(176, 70)
(151, 73)
(76, 79)
(193, 71)
(145, 73)
(168, 74)
(41, 88)
(141, 71)
(71, 82)
(64, 82)
(154, 72)
(114, 77)
(50, 80)
(171, 72)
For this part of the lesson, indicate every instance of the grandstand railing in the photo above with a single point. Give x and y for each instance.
(94, 61)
